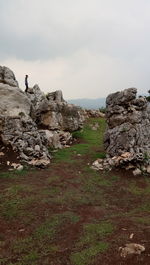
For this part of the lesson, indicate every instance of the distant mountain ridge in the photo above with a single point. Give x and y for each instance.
(88, 103)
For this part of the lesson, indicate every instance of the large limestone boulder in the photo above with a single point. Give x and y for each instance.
(17, 129)
(7, 77)
(128, 120)
(53, 113)
(13, 101)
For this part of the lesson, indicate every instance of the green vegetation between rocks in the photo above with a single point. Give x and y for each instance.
(91, 139)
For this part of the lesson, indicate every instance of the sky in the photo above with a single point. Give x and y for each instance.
(86, 48)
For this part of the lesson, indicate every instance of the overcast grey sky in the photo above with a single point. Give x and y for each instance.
(87, 48)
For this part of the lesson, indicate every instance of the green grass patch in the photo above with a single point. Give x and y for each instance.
(134, 189)
(51, 191)
(91, 243)
(40, 243)
(30, 258)
(101, 155)
(91, 139)
(11, 208)
(142, 220)
(87, 255)
(13, 204)
(78, 134)
(48, 229)
(14, 190)
(93, 233)
(13, 174)
(52, 179)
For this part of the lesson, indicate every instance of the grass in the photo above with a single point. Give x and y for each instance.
(71, 214)
(91, 243)
(40, 243)
(94, 232)
(87, 255)
(91, 140)
(52, 179)
(142, 220)
(135, 189)
(13, 204)
(13, 174)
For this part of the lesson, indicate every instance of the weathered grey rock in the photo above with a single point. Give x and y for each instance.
(148, 169)
(23, 136)
(137, 172)
(56, 139)
(13, 101)
(91, 113)
(56, 96)
(7, 77)
(53, 113)
(38, 100)
(31, 121)
(128, 120)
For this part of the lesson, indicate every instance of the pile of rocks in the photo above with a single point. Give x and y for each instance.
(127, 161)
(31, 122)
(127, 138)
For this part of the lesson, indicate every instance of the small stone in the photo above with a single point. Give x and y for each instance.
(148, 169)
(131, 248)
(131, 236)
(130, 166)
(21, 230)
(137, 172)
(20, 167)
(37, 148)
(2, 154)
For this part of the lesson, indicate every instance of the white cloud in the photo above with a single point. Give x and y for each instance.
(88, 48)
(81, 75)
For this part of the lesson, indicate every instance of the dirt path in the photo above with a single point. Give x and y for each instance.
(69, 214)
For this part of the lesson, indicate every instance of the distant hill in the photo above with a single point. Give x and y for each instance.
(88, 103)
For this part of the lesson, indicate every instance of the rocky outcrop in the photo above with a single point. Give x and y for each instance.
(7, 77)
(22, 134)
(32, 122)
(13, 102)
(53, 113)
(128, 120)
(127, 138)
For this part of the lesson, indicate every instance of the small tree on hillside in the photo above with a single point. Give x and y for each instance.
(148, 97)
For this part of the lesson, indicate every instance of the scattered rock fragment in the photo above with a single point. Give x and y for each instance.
(16, 166)
(131, 236)
(42, 163)
(91, 113)
(131, 248)
(148, 169)
(137, 172)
